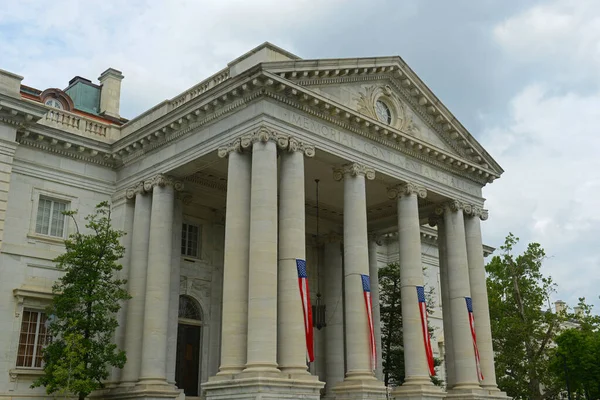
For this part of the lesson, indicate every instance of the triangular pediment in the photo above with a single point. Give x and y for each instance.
(357, 84)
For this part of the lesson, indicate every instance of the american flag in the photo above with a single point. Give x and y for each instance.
(472, 325)
(306, 307)
(425, 329)
(366, 284)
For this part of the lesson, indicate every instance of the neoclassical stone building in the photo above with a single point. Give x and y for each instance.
(348, 164)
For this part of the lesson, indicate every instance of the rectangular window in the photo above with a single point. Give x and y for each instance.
(190, 240)
(32, 339)
(50, 220)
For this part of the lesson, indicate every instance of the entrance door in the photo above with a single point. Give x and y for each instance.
(188, 358)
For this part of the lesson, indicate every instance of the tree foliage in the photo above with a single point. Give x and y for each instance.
(575, 361)
(523, 327)
(391, 326)
(86, 300)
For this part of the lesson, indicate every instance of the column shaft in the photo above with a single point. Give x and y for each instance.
(290, 318)
(333, 299)
(356, 263)
(137, 286)
(158, 283)
(446, 310)
(235, 266)
(374, 276)
(262, 277)
(411, 274)
(458, 288)
(481, 312)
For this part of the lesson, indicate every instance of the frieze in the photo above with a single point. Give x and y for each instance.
(382, 153)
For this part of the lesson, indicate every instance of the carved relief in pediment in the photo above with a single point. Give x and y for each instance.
(383, 104)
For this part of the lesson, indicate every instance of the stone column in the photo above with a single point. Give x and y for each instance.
(137, 283)
(374, 275)
(235, 266)
(291, 349)
(458, 288)
(446, 310)
(360, 380)
(8, 147)
(481, 312)
(262, 274)
(158, 280)
(333, 299)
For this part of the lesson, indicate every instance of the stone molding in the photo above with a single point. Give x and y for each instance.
(147, 185)
(376, 237)
(353, 169)
(185, 197)
(406, 189)
(265, 134)
(470, 210)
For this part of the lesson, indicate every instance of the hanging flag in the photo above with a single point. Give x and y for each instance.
(425, 329)
(472, 325)
(306, 307)
(366, 283)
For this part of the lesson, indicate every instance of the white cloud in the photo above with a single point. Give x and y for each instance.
(162, 47)
(549, 145)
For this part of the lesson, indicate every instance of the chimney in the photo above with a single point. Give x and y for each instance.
(560, 306)
(110, 92)
(578, 311)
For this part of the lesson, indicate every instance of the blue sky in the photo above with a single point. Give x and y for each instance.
(522, 76)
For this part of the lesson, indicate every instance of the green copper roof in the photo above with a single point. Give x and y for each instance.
(85, 95)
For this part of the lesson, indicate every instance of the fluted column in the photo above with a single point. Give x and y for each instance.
(333, 299)
(137, 282)
(235, 267)
(374, 275)
(158, 281)
(481, 312)
(262, 277)
(458, 288)
(411, 275)
(291, 349)
(356, 263)
(446, 309)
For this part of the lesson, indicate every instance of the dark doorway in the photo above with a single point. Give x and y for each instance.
(188, 358)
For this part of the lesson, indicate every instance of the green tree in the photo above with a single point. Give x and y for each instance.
(391, 325)
(83, 312)
(576, 359)
(523, 327)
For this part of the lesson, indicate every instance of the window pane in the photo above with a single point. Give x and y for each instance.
(43, 216)
(58, 219)
(183, 238)
(27, 339)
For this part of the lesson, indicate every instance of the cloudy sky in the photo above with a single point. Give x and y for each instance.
(522, 76)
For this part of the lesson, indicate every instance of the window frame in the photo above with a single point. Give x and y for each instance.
(53, 204)
(72, 204)
(198, 225)
(36, 343)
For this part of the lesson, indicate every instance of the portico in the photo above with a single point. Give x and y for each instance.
(241, 151)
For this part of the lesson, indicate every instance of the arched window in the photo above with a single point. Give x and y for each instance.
(54, 103)
(189, 309)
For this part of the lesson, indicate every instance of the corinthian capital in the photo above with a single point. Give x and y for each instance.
(478, 212)
(162, 180)
(453, 205)
(353, 169)
(406, 189)
(262, 134)
(136, 189)
(234, 146)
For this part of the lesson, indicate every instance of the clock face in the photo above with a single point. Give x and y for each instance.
(383, 112)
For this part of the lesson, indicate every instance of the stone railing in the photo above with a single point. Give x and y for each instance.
(200, 88)
(78, 124)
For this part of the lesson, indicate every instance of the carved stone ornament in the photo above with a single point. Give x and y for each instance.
(162, 180)
(138, 188)
(478, 212)
(292, 144)
(224, 151)
(453, 205)
(353, 169)
(401, 119)
(185, 197)
(376, 237)
(406, 189)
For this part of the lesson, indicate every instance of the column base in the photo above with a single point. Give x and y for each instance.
(143, 391)
(360, 389)
(467, 394)
(418, 392)
(495, 393)
(261, 386)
